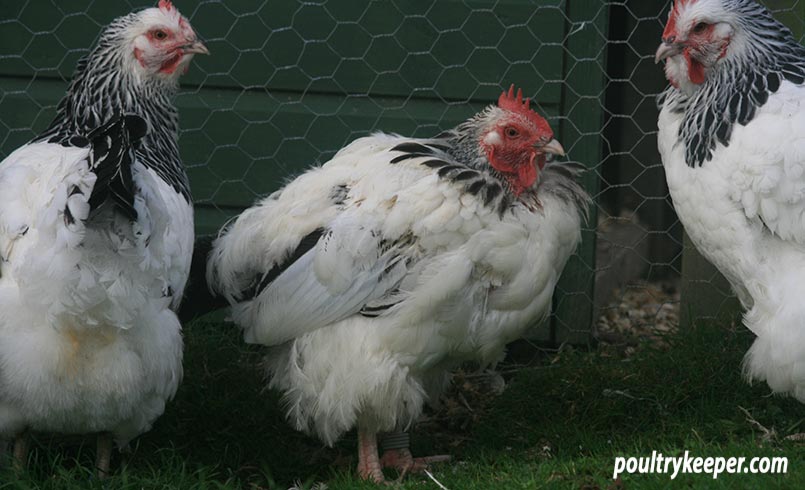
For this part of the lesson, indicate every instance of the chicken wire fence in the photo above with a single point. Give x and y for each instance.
(291, 82)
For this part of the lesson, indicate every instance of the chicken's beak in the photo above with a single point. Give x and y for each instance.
(666, 50)
(553, 147)
(195, 47)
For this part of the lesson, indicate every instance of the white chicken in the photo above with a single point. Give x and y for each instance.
(375, 274)
(96, 235)
(732, 139)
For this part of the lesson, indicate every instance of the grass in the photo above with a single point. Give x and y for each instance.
(559, 424)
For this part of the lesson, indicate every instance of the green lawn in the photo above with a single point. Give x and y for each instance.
(559, 424)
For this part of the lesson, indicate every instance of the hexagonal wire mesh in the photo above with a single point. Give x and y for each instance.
(290, 82)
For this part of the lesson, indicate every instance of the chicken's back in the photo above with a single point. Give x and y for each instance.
(88, 340)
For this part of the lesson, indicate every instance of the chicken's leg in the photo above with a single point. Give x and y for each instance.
(21, 443)
(397, 455)
(103, 455)
(368, 462)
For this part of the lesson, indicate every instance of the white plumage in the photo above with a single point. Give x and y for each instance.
(733, 146)
(88, 341)
(378, 272)
(96, 237)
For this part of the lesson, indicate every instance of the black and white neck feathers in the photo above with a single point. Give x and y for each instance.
(106, 84)
(738, 85)
(456, 157)
(465, 138)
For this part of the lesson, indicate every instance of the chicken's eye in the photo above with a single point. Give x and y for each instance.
(700, 27)
(512, 132)
(160, 35)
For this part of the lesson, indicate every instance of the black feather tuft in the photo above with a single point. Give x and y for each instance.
(375, 311)
(773, 82)
(262, 281)
(465, 175)
(476, 187)
(111, 158)
(492, 191)
(406, 156)
(435, 163)
(446, 170)
(339, 193)
(504, 205)
(411, 147)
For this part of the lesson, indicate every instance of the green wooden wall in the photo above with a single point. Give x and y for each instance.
(289, 83)
(791, 13)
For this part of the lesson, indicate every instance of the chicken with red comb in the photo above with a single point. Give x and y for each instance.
(96, 235)
(372, 276)
(732, 140)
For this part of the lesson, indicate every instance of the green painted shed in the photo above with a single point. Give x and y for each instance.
(290, 82)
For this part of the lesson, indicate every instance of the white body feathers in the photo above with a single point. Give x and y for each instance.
(88, 338)
(411, 276)
(745, 211)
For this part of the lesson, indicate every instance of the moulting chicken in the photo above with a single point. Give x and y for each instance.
(375, 274)
(732, 139)
(96, 234)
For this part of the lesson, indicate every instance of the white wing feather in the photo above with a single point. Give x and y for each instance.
(346, 269)
(769, 180)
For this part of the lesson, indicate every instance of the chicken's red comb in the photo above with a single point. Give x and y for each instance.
(508, 102)
(670, 27)
(511, 103)
(165, 5)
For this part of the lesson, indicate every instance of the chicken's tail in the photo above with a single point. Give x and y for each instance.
(64, 260)
(111, 157)
(778, 354)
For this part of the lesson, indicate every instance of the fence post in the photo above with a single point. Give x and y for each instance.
(705, 293)
(582, 103)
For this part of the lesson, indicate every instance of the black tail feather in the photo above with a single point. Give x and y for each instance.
(112, 155)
